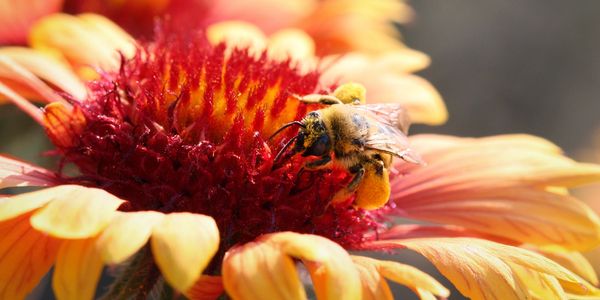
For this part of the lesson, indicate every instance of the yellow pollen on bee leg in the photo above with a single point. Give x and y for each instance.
(374, 190)
(349, 92)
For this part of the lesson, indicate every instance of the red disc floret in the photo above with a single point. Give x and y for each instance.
(184, 126)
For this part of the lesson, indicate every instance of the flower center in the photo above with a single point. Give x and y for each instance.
(184, 126)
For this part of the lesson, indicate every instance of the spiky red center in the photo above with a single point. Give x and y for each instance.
(184, 127)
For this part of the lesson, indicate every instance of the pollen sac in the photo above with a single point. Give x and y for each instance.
(373, 191)
(351, 93)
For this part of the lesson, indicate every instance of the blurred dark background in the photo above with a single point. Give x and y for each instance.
(513, 66)
(508, 66)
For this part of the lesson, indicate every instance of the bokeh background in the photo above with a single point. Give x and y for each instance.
(509, 66)
(515, 66)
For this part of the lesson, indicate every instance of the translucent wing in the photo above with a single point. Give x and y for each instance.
(388, 127)
(391, 114)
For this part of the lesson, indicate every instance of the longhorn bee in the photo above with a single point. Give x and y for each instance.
(360, 138)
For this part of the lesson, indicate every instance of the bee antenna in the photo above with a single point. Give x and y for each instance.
(287, 145)
(286, 126)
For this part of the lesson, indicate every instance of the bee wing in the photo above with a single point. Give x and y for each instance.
(388, 131)
(391, 114)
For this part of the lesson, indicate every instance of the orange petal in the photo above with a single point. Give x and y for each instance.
(237, 34)
(374, 286)
(517, 158)
(260, 12)
(25, 256)
(347, 25)
(387, 82)
(266, 266)
(14, 206)
(206, 288)
(14, 172)
(63, 124)
(50, 69)
(413, 278)
(420, 98)
(78, 268)
(67, 35)
(15, 72)
(291, 43)
(539, 285)
(110, 33)
(482, 269)
(500, 186)
(183, 244)
(126, 234)
(23, 104)
(75, 211)
(18, 16)
(410, 231)
(574, 261)
(259, 270)
(333, 275)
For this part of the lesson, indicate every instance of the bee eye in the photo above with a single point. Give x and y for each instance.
(320, 147)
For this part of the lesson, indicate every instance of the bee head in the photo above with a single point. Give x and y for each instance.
(313, 138)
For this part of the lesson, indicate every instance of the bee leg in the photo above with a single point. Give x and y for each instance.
(319, 99)
(310, 166)
(317, 164)
(359, 174)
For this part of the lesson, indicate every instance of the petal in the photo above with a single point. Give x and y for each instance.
(14, 172)
(259, 270)
(265, 268)
(387, 82)
(23, 104)
(19, 74)
(48, 68)
(347, 25)
(539, 285)
(63, 125)
(420, 98)
(514, 158)
(330, 266)
(482, 269)
(410, 231)
(183, 244)
(206, 288)
(574, 261)
(238, 34)
(292, 44)
(67, 35)
(373, 283)
(78, 268)
(518, 214)
(260, 12)
(409, 276)
(17, 205)
(503, 186)
(25, 256)
(75, 211)
(18, 16)
(126, 234)
(110, 33)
